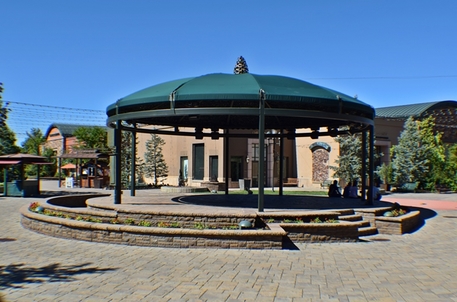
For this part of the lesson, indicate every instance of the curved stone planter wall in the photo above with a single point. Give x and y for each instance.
(187, 235)
(322, 232)
(398, 225)
(151, 236)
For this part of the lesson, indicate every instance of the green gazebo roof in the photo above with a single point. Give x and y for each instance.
(232, 101)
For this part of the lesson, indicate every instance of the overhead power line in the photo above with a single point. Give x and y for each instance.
(22, 117)
(387, 77)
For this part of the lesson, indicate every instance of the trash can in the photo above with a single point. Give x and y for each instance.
(245, 184)
(69, 182)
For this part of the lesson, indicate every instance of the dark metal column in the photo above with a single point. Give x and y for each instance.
(133, 165)
(364, 163)
(59, 163)
(281, 163)
(38, 178)
(226, 160)
(261, 175)
(117, 165)
(371, 166)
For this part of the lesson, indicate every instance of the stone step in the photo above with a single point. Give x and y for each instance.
(364, 223)
(368, 230)
(353, 217)
(346, 211)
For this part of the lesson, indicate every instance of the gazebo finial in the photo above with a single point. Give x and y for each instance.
(241, 66)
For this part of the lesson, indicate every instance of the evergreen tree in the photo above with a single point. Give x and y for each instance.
(241, 66)
(32, 143)
(349, 161)
(155, 165)
(409, 157)
(49, 170)
(126, 160)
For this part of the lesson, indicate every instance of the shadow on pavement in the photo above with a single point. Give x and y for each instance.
(19, 275)
(277, 202)
(424, 215)
(47, 194)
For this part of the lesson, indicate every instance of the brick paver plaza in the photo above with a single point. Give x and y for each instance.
(421, 266)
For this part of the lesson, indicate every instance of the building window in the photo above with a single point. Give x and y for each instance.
(255, 152)
(198, 166)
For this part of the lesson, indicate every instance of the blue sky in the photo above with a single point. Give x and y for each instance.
(89, 53)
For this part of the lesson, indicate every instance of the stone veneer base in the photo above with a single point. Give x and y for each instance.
(151, 236)
(188, 237)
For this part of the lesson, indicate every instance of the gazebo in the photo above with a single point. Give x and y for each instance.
(21, 187)
(216, 105)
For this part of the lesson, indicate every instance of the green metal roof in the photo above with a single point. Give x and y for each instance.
(234, 87)
(232, 101)
(414, 110)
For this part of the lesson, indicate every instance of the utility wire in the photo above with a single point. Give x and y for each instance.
(22, 117)
(387, 77)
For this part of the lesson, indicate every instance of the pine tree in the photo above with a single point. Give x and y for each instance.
(349, 161)
(126, 160)
(155, 165)
(409, 160)
(32, 145)
(241, 66)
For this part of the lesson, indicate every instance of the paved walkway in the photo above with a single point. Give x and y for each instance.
(415, 267)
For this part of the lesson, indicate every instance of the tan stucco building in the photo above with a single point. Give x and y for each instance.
(306, 161)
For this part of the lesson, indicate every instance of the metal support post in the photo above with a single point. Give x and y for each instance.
(117, 174)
